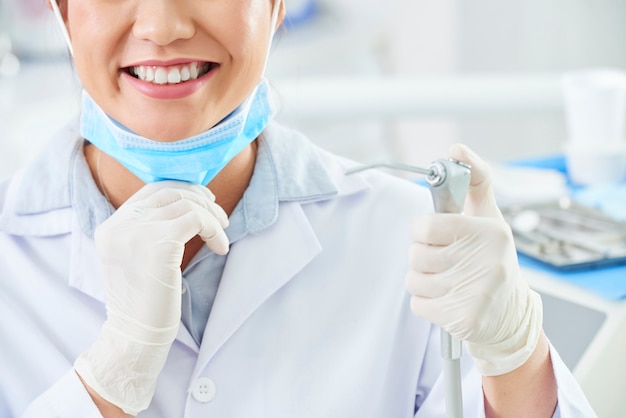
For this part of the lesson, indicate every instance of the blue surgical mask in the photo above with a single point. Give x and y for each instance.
(195, 160)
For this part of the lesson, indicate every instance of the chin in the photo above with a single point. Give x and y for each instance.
(166, 128)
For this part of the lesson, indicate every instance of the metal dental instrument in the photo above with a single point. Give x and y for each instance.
(448, 181)
(395, 166)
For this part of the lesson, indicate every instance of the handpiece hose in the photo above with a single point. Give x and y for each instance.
(448, 186)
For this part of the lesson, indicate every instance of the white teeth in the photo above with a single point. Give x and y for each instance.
(160, 75)
(184, 74)
(173, 77)
(149, 74)
(170, 75)
(193, 70)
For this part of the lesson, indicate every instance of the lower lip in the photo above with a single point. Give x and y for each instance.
(168, 91)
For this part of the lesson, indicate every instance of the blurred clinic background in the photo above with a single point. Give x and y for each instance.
(538, 88)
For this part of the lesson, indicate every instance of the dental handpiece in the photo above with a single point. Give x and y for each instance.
(448, 187)
(448, 181)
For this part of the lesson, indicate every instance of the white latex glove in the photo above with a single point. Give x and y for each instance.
(465, 278)
(141, 249)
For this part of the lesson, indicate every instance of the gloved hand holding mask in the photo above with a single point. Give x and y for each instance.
(465, 278)
(141, 249)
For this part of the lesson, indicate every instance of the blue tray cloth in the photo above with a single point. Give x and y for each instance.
(609, 281)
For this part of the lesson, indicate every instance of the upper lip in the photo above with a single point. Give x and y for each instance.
(166, 63)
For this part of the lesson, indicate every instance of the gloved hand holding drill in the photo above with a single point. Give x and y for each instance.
(465, 278)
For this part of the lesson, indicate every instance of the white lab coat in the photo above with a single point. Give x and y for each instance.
(311, 318)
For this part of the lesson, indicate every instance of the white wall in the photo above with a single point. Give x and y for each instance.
(534, 36)
(422, 40)
(419, 37)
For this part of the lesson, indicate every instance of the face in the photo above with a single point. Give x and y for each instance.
(169, 69)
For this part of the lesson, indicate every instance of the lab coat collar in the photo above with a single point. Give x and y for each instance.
(289, 162)
(300, 174)
(49, 184)
(43, 186)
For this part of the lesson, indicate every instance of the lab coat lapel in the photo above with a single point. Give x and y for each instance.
(257, 267)
(85, 273)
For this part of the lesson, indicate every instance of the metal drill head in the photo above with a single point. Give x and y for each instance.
(449, 185)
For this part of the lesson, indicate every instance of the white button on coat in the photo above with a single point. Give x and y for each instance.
(203, 390)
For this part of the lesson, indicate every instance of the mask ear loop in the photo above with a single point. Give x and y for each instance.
(273, 21)
(59, 18)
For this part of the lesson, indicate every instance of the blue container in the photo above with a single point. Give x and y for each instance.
(300, 12)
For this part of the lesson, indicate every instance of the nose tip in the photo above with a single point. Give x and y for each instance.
(163, 23)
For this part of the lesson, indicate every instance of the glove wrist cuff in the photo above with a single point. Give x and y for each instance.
(122, 371)
(513, 352)
(133, 330)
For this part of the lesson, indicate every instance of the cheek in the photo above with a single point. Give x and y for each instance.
(95, 30)
(246, 35)
(95, 37)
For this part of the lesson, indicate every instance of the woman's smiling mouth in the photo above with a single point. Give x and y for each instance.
(169, 81)
(172, 74)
